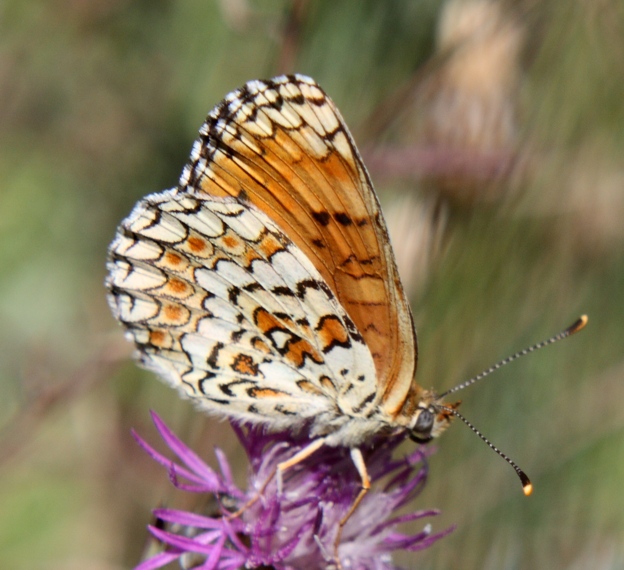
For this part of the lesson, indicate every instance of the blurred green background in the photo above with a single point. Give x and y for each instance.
(494, 133)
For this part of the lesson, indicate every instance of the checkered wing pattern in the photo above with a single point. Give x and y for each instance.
(283, 146)
(222, 304)
(264, 286)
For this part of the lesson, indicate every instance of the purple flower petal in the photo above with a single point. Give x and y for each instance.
(297, 528)
(215, 555)
(181, 542)
(188, 519)
(225, 467)
(159, 458)
(186, 455)
(408, 518)
(426, 543)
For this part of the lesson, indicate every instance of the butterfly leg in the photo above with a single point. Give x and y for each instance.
(296, 458)
(358, 461)
(278, 473)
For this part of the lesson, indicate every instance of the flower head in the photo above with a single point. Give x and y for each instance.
(295, 528)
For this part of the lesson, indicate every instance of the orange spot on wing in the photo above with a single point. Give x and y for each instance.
(260, 345)
(265, 321)
(335, 166)
(297, 351)
(157, 338)
(308, 387)
(230, 242)
(196, 244)
(269, 245)
(173, 312)
(177, 286)
(327, 383)
(251, 255)
(244, 364)
(172, 258)
(331, 331)
(266, 393)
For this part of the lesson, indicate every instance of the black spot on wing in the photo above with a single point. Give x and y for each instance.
(353, 330)
(233, 293)
(302, 286)
(283, 410)
(219, 401)
(343, 219)
(237, 335)
(227, 388)
(283, 291)
(251, 287)
(213, 357)
(207, 379)
(364, 403)
(322, 217)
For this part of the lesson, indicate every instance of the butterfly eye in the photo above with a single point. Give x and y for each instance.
(421, 432)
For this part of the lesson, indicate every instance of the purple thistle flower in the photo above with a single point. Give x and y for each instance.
(295, 529)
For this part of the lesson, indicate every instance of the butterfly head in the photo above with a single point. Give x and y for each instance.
(431, 418)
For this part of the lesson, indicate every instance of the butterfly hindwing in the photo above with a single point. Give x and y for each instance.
(221, 303)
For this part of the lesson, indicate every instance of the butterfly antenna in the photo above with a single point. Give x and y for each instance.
(574, 328)
(527, 486)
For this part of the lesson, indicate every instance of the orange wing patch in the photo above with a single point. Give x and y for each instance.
(231, 244)
(265, 321)
(266, 393)
(331, 332)
(177, 287)
(198, 246)
(308, 387)
(327, 383)
(175, 314)
(259, 344)
(174, 260)
(299, 349)
(296, 349)
(244, 364)
(270, 246)
(159, 339)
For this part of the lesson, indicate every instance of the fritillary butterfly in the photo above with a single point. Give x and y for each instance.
(264, 286)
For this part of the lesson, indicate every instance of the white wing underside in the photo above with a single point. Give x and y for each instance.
(225, 308)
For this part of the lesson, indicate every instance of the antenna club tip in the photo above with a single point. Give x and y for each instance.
(579, 324)
(527, 486)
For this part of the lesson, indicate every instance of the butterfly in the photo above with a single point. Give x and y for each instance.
(264, 286)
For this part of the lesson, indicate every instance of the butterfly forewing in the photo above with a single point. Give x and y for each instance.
(282, 146)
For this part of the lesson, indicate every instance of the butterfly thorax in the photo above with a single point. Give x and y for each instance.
(423, 416)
